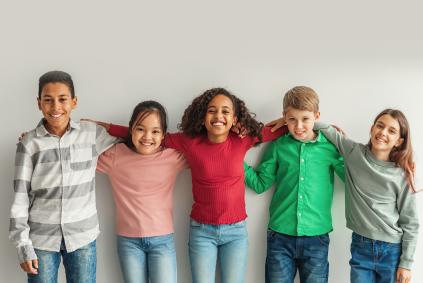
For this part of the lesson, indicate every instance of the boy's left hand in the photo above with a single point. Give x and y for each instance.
(239, 130)
(278, 123)
(403, 275)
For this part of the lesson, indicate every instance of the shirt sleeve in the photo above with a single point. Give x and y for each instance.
(409, 223)
(261, 179)
(103, 139)
(106, 160)
(343, 144)
(339, 167)
(19, 213)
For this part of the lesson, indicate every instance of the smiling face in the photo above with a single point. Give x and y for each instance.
(219, 118)
(384, 136)
(56, 104)
(147, 134)
(300, 123)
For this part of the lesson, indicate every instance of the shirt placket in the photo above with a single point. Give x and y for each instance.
(64, 167)
(300, 193)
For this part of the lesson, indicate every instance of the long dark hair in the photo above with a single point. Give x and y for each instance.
(192, 120)
(402, 155)
(141, 111)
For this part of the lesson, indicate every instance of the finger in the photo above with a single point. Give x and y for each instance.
(36, 263)
(399, 276)
(271, 123)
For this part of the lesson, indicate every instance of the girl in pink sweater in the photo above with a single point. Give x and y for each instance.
(215, 156)
(142, 174)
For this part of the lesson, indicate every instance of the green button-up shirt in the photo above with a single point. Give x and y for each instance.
(304, 177)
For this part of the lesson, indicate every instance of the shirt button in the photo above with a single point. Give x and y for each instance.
(301, 196)
(302, 178)
(302, 160)
(299, 214)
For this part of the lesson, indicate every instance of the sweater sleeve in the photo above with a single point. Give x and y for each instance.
(118, 131)
(261, 179)
(175, 141)
(268, 135)
(409, 223)
(343, 144)
(19, 213)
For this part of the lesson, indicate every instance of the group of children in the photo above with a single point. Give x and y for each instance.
(53, 215)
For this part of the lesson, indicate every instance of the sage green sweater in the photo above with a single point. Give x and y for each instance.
(379, 204)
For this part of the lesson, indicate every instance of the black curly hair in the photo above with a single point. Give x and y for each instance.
(192, 120)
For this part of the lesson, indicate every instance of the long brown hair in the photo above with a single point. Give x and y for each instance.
(402, 155)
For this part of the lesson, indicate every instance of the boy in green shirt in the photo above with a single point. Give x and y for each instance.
(302, 165)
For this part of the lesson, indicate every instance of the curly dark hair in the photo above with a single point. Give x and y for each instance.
(192, 120)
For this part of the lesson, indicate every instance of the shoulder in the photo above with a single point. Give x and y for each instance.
(87, 126)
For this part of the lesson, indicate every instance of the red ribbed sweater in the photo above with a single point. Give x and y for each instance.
(217, 173)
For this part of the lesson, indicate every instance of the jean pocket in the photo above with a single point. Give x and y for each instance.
(239, 224)
(194, 224)
(324, 239)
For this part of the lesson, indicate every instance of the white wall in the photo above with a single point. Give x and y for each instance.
(360, 58)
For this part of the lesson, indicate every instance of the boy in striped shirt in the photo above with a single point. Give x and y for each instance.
(53, 214)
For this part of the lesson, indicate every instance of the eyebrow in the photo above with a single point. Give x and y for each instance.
(391, 128)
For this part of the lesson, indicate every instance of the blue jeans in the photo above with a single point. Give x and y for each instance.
(286, 254)
(80, 265)
(373, 261)
(147, 259)
(228, 242)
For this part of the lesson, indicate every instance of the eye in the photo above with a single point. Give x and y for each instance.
(139, 129)
(211, 111)
(157, 132)
(393, 132)
(226, 112)
(63, 99)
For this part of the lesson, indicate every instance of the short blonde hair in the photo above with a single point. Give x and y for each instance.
(302, 98)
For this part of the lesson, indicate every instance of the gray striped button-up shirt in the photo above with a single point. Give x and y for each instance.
(54, 188)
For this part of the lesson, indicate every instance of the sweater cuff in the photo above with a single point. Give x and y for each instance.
(26, 253)
(404, 263)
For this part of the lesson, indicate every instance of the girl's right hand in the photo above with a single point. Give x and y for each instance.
(30, 266)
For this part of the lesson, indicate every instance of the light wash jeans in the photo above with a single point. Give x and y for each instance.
(287, 254)
(80, 265)
(228, 242)
(373, 261)
(147, 259)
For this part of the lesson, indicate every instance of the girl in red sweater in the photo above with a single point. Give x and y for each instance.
(215, 156)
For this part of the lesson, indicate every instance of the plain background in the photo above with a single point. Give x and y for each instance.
(361, 57)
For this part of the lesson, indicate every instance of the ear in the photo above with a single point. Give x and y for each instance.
(317, 115)
(74, 102)
(39, 103)
(399, 142)
(235, 121)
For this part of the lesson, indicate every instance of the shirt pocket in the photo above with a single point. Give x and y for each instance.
(81, 157)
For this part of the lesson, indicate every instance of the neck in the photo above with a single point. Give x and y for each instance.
(380, 155)
(55, 131)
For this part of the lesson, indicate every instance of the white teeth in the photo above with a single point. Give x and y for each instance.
(217, 124)
(55, 115)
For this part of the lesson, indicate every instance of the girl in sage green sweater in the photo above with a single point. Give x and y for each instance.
(380, 204)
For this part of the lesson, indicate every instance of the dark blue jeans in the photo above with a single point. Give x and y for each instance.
(286, 254)
(373, 261)
(80, 265)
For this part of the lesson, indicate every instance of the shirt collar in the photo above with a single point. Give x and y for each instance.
(319, 138)
(42, 131)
